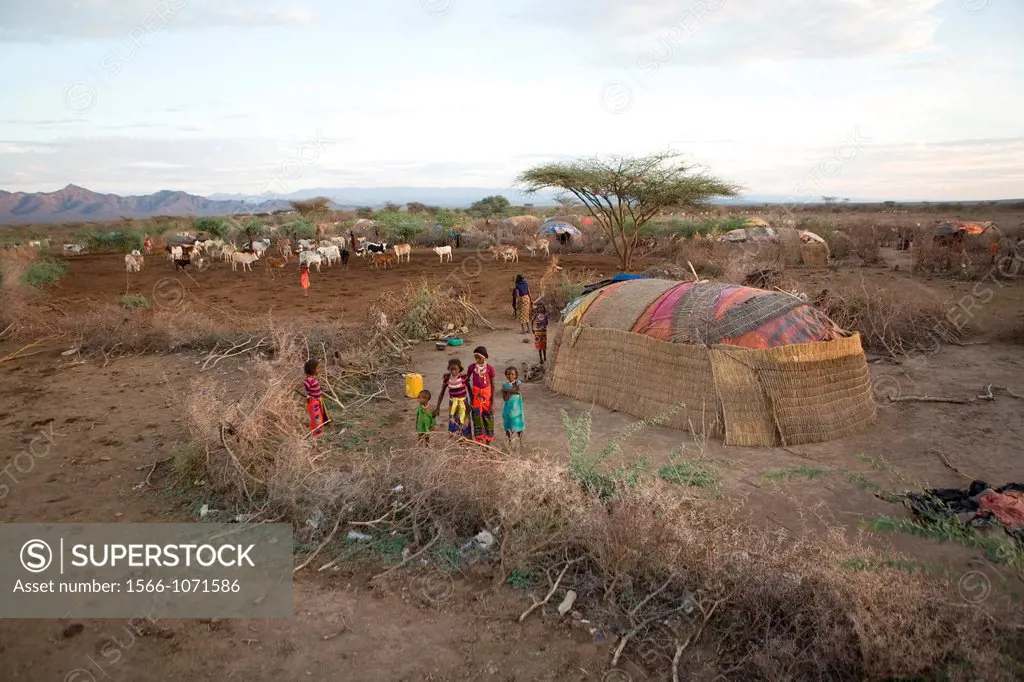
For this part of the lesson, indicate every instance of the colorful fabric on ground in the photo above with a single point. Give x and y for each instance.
(458, 423)
(316, 417)
(513, 418)
(424, 420)
(1008, 507)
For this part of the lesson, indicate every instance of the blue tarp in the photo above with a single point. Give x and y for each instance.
(617, 277)
(559, 228)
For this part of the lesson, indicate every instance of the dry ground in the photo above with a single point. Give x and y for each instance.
(110, 421)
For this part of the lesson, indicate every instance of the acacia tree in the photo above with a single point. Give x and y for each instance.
(311, 209)
(623, 193)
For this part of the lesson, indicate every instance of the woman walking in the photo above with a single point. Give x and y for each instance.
(522, 304)
(481, 396)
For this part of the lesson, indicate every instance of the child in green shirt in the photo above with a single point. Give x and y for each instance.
(424, 418)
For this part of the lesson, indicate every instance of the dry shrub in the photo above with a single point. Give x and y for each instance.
(893, 321)
(18, 315)
(421, 311)
(784, 608)
(109, 328)
(865, 243)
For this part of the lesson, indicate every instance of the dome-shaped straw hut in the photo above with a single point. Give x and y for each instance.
(755, 367)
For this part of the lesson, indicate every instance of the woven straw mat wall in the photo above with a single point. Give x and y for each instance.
(789, 395)
(638, 375)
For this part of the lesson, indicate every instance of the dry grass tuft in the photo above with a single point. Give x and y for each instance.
(895, 322)
(421, 311)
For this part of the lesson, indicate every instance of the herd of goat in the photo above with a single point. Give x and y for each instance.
(197, 254)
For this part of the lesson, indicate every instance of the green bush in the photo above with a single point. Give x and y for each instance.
(44, 273)
(123, 241)
(300, 229)
(214, 227)
(133, 301)
(399, 225)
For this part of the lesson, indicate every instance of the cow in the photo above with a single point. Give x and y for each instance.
(133, 262)
(403, 250)
(369, 248)
(443, 251)
(310, 258)
(386, 258)
(331, 254)
(245, 259)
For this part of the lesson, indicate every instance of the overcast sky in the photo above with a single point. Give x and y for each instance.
(907, 99)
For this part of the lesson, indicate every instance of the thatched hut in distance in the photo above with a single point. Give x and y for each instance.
(756, 367)
(788, 245)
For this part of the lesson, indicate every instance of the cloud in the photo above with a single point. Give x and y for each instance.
(649, 33)
(45, 21)
(955, 169)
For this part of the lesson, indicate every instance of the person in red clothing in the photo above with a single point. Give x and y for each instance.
(314, 398)
(481, 392)
(304, 279)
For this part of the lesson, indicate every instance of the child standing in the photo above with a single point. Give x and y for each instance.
(454, 383)
(314, 396)
(304, 278)
(540, 331)
(480, 378)
(512, 416)
(424, 418)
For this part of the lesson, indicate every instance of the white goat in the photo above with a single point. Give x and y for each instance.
(132, 263)
(403, 250)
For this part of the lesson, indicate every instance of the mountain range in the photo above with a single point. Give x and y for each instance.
(78, 204)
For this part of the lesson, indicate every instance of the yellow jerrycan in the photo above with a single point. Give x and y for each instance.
(413, 385)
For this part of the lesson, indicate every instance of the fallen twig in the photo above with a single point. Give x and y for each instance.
(949, 465)
(538, 604)
(317, 550)
(17, 353)
(152, 468)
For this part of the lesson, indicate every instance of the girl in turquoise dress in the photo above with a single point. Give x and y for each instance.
(512, 417)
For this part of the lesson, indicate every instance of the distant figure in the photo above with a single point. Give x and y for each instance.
(148, 246)
(304, 279)
(352, 239)
(458, 239)
(453, 238)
